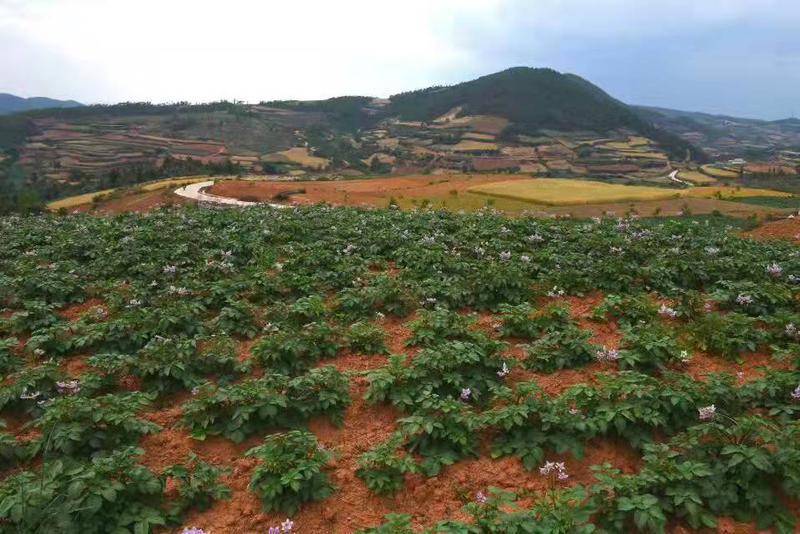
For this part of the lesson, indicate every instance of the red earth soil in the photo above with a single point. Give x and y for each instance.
(788, 229)
(368, 192)
(428, 500)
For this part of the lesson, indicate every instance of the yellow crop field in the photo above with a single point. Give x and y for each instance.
(557, 192)
(86, 198)
(474, 146)
(564, 192)
(719, 173)
(299, 155)
(694, 177)
(475, 136)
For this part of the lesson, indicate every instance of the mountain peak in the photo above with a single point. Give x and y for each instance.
(15, 104)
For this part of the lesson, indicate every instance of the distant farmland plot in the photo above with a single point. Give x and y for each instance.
(717, 172)
(733, 192)
(694, 177)
(299, 155)
(563, 192)
(556, 192)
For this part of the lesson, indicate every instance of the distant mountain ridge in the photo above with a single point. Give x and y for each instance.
(14, 104)
(534, 99)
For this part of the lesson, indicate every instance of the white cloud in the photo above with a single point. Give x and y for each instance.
(203, 50)
(161, 50)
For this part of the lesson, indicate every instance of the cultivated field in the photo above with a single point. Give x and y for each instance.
(552, 192)
(299, 155)
(387, 372)
(717, 172)
(695, 177)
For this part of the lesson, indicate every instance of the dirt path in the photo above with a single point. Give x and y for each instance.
(195, 192)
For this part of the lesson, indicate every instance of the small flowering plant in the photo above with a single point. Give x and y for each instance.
(555, 471)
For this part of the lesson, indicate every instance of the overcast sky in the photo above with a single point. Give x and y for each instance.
(740, 57)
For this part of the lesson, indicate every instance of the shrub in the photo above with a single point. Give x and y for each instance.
(727, 335)
(107, 494)
(560, 349)
(523, 322)
(293, 351)
(366, 338)
(271, 402)
(290, 471)
(383, 468)
(76, 425)
(198, 486)
(649, 348)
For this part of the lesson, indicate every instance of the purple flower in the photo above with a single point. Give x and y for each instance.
(466, 394)
(193, 530)
(774, 270)
(481, 498)
(707, 413)
(287, 525)
(556, 469)
(607, 355)
(274, 530)
(68, 387)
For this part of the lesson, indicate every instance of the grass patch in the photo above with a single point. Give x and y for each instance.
(695, 177)
(771, 202)
(716, 172)
(729, 193)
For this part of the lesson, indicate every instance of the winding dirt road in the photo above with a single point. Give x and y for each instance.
(195, 192)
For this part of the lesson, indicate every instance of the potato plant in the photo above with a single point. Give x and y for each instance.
(291, 471)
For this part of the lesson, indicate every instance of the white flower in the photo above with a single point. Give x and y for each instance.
(712, 251)
(503, 372)
(29, 396)
(555, 292)
(774, 270)
(666, 311)
(170, 269)
(534, 238)
(685, 356)
(744, 300)
(525, 258)
(466, 394)
(505, 256)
